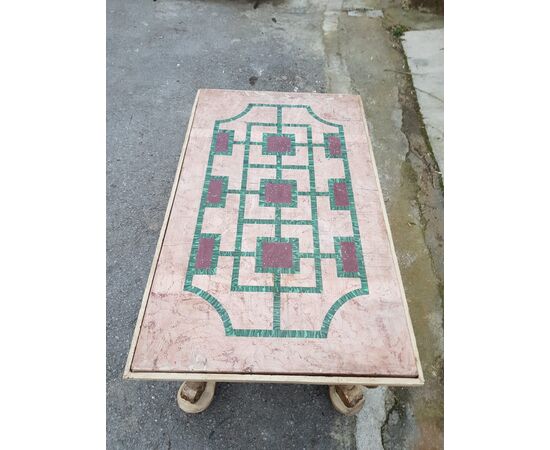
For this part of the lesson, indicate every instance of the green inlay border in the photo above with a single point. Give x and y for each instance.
(278, 333)
(223, 196)
(224, 316)
(333, 204)
(294, 199)
(278, 270)
(240, 219)
(275, 166)
(273, 221)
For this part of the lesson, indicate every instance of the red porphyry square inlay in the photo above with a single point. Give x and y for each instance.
(340, 191)
(215, 191)
(222, 142)
(278, 193)
(279, 144)
(276, 255)
(349, 257)
(335, 146)
(204, 253)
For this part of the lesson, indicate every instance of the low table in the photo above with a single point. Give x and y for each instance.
(275, 262)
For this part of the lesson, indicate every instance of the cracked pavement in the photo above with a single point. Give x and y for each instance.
(158, 55)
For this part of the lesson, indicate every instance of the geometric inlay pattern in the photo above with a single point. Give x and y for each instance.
(287, 187)
(275, 221)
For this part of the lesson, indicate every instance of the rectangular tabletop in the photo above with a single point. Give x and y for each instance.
(275, 261)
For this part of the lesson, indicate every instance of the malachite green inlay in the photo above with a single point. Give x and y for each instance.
(275, 166)
(284, 258)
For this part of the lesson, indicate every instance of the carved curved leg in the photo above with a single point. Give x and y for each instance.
(347, 399)
(195, 396)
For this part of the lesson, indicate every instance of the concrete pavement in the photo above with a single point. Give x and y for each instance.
(424, 50)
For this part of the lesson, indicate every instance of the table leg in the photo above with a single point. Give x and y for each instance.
(195, 396)
(347, 399)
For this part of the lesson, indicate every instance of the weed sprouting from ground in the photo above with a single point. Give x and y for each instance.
(398, 30)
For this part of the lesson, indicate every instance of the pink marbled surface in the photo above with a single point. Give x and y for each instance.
(181, 332)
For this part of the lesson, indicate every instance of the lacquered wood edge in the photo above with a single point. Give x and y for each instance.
(271, 378)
